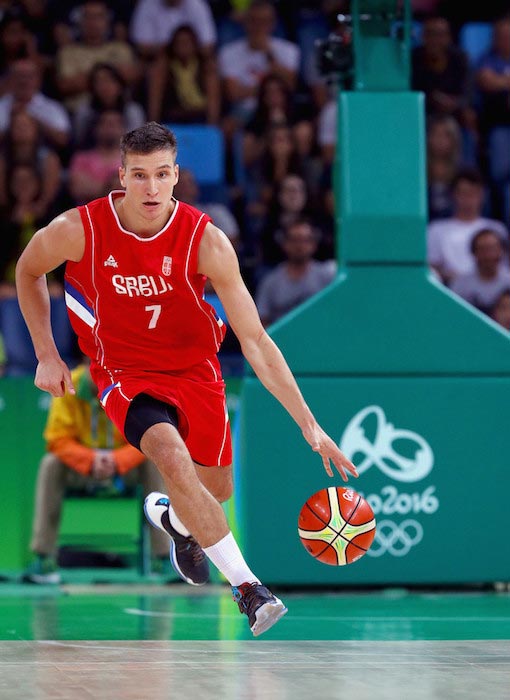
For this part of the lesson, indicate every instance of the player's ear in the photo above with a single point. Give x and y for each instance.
(176, 171)
(122, 176)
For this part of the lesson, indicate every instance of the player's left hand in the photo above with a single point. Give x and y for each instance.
(321, 442)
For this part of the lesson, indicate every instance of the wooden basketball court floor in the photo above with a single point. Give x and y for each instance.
(132, 642)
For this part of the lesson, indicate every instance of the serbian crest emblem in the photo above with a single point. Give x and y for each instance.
(167, 265)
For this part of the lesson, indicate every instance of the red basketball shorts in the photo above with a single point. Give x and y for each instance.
(198, 394)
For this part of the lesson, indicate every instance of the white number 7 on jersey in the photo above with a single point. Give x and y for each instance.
(156, 310)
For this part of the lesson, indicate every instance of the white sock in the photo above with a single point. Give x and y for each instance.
(227, 557)
(176, 523)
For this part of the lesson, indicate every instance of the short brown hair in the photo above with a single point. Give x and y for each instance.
(146, 139)
(481, 234)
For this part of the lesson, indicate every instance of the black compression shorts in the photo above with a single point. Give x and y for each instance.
(144, 412)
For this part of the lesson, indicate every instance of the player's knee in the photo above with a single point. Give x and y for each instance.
(173, 462)
(164, 447)
(176, 464)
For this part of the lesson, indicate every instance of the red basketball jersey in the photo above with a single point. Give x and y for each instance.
(137, 303)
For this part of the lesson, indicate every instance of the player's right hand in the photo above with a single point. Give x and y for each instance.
(321, 442)
(54, 377)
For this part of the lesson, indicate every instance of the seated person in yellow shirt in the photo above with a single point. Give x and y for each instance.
(85, 451)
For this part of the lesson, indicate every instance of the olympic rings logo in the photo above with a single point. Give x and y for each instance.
(381, 450)
(396, 539)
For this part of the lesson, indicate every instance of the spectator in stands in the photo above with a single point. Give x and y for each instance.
(444, 158)
(274, 107)
(449, 240)
(155, 21)
(309, 154)
(183, 82)
(107, 91)
(278, 159)
(441, 71)
(85, 452)
(297, 278)
(16, 41)
(24, 95)
(187, 190)
(20, 222)
(243, 63)
(75, 61)
(493, 77)
(90, 170)
(23, 145)
(501, 310)
(65, 16)
(40, 20)
(484, 285)
(290, 202)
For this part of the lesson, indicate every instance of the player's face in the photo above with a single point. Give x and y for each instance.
(149, 181)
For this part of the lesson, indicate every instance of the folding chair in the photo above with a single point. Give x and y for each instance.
(201, 149)
(475, 38)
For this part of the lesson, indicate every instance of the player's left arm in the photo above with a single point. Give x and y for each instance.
(218, 261)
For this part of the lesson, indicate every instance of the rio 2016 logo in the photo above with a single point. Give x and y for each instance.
(380, 451)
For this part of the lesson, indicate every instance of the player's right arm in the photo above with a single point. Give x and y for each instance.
(61, 240)
(217, 261)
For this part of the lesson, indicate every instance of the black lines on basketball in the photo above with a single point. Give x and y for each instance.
(319, 517)
(348, 520)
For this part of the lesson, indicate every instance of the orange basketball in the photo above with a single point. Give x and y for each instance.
(336, 526)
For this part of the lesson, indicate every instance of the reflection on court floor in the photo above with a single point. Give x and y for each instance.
(134, 642)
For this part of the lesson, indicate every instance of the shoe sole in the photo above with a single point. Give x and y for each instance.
(267, 616)
(173, 558)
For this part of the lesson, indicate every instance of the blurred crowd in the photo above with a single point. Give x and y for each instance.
(75, 75)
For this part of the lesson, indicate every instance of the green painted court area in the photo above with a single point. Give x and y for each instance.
(179, 612)
(130, 642)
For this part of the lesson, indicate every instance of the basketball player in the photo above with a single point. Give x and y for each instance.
(137, 262)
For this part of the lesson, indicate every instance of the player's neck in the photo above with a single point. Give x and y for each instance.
(135, 222)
